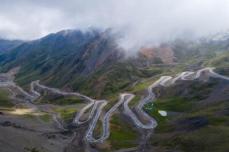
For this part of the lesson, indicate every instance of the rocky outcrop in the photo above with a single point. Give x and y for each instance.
(163, 54)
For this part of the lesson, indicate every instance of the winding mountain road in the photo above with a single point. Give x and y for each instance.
(125, 98)
(29, 98)
(95, 107)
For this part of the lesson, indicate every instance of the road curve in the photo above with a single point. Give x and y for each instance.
(125, 98)
(29, 98)
(97, 106)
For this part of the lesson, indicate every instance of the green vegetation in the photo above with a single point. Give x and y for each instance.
(98, 129)
(213, 136)
(5, 100)
(135, 101)
(209, 138)
(196, 127)
(29, 116)
(66, 114)
(88, 67)
(176, 104)
(110, 81)
(31, 149)
(6, 109)
(45, 117)
(220, 60)
(152, 110)
(122, 134)
(60, 100)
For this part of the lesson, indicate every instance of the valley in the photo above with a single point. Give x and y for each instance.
(79, 91)
(114, 76)
(96, 106)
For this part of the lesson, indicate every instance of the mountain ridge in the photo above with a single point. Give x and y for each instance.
(7, 45)
(92, 61)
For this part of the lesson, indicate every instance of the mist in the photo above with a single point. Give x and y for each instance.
(145, 22)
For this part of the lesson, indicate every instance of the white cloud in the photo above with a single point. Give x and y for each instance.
(142, 22)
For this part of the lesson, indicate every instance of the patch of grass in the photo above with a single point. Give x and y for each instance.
(31, 149)
(122, 135)
(216, 113)
(135, 101)
(152, 110)
(67, 114)
(29, 116)
(155, 75)
(119, 78)
(200, 91)
(6, 109)
(210, 138)
(175, 104)
(142, 85)
(207, 139)
(221, 60)
(98, 129)
(5, 99)
(61, 100)
(45, 117)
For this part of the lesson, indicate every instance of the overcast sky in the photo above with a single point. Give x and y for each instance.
(141, 21)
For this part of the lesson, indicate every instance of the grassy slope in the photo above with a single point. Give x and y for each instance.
(208, 131)
(154, 72)
(4, 98)
(67, 114)
(109, 82)
(122, 134)
(60, 100)
(221, 62)
(212, 136)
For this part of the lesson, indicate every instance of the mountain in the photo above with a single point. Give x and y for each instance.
(62, 57)
(6, 45)
(92, 62)
(82, 51)
(195, 107)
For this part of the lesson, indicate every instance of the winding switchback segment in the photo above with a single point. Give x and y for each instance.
(125, 98)
(97, 106)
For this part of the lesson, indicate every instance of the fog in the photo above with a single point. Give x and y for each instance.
(140, 22)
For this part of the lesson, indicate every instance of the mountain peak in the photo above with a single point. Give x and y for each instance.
(70, 52)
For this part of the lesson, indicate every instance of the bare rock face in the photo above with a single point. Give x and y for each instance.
(163, 52)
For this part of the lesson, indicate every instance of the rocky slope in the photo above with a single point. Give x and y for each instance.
(163, 54)
(62, 57)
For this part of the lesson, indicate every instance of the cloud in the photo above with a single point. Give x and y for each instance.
(141, 22)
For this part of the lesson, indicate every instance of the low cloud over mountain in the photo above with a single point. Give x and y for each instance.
(140, 22)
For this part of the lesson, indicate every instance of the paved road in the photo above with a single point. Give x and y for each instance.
(125, 98)
(29, 98)
(95, 107)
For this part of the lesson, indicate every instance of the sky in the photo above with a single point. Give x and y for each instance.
(139, 21)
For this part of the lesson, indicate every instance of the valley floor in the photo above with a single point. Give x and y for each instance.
(32, 124)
